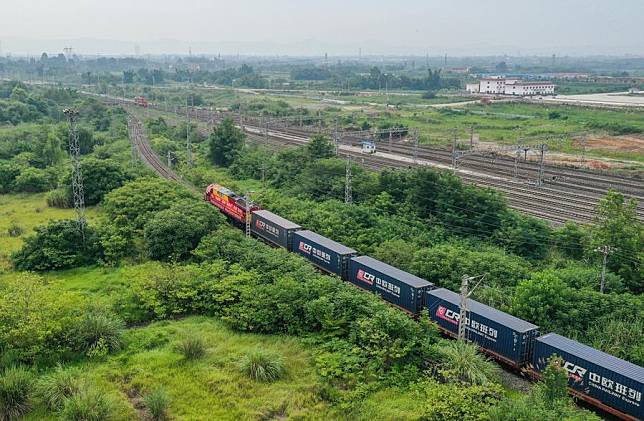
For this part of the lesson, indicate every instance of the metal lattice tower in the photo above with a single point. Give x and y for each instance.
(348, 193)
(77, 176)
(188, 144)
(542, 160)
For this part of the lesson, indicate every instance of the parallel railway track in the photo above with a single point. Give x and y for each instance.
(565, 195)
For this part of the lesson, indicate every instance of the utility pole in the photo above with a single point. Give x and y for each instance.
(188, 145)
(472, 137)
(336, 137)
(605, 250)
(416, 141)
(77, 176)
(516, 163)
(348, 193)
(542, 160)
(463, 310)
(454, 159)
(263, 168)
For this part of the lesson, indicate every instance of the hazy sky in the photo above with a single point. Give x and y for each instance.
(334, 26)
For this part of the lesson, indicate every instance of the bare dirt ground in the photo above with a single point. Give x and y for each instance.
(623, 144)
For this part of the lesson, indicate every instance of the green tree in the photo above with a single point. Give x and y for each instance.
(100, 176)
(225, 142)
(617, 226)
(132, 205)
(320, 147)
(33, 180)
(544, 299)
(8, 173)
(58, 245)
(173, 233)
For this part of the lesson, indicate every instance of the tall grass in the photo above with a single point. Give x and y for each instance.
(191, 347)
(88, 405)
(61, 384)
(262, 366)
(16, 390)
(99, 333)
(157, 403)
(462, 363)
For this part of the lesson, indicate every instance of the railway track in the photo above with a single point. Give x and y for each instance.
(141, 145)
(565, 195)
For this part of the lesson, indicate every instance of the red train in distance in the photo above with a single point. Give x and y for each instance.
(229, 203)
(140, 100)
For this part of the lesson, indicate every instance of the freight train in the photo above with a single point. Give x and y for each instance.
(604, 381)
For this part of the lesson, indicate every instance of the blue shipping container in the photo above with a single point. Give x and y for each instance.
(506, 337)
(324, 253)
(400, 288)
(273, 228)
(608, 379)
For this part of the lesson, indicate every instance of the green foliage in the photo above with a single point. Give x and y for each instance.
(88, 405)
(617, 226)
(225, 143)
(460, 362)
(191, 347)
(446, 402)
(132, 205)
(157, 403)
(571, 240)
(58, 245)
(547, 401)
(33, 180)
(59, 198)
(262, 366)
(98, 334)
(554, 386)
(100, 176)
(320, 147)
(445, 264)
(173, 233)
(8, 173)
(34, 320)
(16, 391)
(59, 385)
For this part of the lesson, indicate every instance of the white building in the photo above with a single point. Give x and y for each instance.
(502, 86)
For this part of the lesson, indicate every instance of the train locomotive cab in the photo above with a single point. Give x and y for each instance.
(229, 203)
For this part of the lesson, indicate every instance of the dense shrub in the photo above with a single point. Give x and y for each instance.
(262, 366)
(100, 176)
(16, 390)
(58, 245)
(134, 204)
(36, 322)
(446, 402)
(33, 180)
(8, 173)
(173, 233)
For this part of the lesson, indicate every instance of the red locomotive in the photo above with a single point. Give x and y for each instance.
(140, 100)
(229, 203)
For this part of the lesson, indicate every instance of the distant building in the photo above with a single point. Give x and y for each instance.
(503, 86)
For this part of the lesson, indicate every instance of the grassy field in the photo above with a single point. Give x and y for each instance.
(26, 211)
(212, 387)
